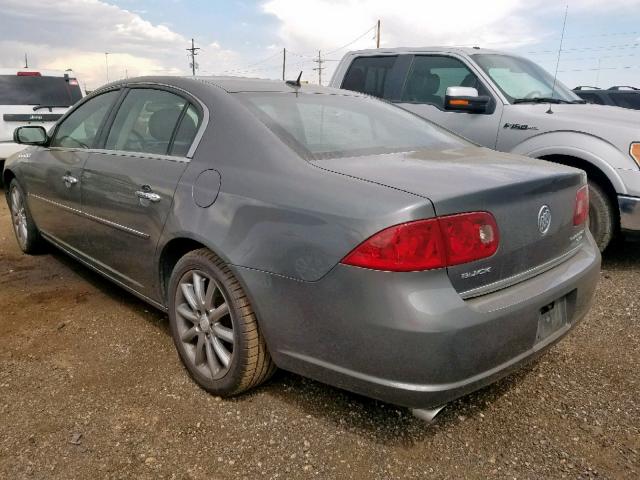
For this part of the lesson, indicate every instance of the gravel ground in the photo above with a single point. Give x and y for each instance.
(90, 387)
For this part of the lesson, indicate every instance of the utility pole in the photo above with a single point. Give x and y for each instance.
(319, 68)
(26, 61)
(378, 35)
(106, 62)
(284, 61)
(193, 51)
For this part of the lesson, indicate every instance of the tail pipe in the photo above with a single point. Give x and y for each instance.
(427, 414)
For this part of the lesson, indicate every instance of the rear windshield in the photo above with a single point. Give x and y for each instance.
(328, 126)
(25, 90)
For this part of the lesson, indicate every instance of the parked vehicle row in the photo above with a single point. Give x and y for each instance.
(618, 96)
(510, 104)
(318, 230)
(33, 97)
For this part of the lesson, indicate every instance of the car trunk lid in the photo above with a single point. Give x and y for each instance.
(517, 191)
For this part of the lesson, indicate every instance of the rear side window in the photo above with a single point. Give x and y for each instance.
(371, 75)
(430, 76)
(145, 122)
(80, 128)
(186, 132)
(627, 100)
(38, 90)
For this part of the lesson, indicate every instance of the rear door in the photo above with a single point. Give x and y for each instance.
(128, 186)
(52, 174)
(424, 94)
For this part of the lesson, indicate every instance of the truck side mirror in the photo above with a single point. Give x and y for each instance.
(465, 99)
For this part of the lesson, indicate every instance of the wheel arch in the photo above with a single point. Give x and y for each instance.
(7, 176)
(180, 245)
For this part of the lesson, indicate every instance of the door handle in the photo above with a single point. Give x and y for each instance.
(152, 197)
(69, 180)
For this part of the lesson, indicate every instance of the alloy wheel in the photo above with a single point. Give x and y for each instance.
(205, 325)
(19, 216)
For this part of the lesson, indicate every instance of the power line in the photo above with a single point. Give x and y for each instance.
(248, 67)
(353, 41)
(606, 47)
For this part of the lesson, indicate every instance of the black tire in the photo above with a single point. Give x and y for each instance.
(24, 228)
(602, 219)
(249, 362)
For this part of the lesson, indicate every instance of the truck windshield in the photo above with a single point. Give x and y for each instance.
(320, 126)
(521, 80)
(38, 90)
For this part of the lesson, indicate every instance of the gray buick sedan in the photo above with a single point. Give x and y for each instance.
(317, 230)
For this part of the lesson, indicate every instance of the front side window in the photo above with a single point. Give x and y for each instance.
(332, 126)
(80, 128)
(430, 76)
(146, 121)
(521, 80)
(371, 75)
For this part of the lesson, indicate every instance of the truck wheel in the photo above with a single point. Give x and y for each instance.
(601, 216)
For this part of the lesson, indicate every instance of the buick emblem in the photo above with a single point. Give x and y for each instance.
(544, 220)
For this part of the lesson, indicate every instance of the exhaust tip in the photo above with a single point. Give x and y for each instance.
(427, 414)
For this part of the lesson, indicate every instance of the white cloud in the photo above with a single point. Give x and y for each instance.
(76, 33)
(329, 24)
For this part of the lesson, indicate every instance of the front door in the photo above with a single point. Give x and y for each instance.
(128, 186)
(424, 94)
(54, 173)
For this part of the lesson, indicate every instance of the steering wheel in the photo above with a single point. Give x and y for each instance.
(534, 94)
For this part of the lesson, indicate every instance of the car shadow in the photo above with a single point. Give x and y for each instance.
(382, 422)
(622, 255)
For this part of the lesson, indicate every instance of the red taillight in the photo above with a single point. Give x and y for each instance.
(469, 236)
(29, 74)
(428, 244)
(581, 212)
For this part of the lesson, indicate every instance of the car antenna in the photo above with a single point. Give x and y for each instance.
(555, 77)
(296, 82)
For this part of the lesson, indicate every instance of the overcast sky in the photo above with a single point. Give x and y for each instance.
(246, 37)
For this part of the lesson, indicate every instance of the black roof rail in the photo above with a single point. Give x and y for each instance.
(623, 87)
(586, 87)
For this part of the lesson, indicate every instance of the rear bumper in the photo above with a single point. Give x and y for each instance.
(409, 338)
(629, 213)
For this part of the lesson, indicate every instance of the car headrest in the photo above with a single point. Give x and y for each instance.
(162, 123)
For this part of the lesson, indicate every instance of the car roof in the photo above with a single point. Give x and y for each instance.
(440, 49)
(43, 72)
(235, 84)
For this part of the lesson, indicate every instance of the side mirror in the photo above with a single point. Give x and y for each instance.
(30, 135)
(465, 99)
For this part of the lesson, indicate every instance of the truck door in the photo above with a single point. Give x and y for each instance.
(424, 92)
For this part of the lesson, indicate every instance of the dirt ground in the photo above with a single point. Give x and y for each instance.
(91, 387)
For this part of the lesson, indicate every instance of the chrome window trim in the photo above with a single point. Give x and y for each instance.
(189, 97)
(101, 220)
(520, 277)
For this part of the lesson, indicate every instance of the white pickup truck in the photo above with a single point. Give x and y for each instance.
(31, 96)
(509, 103)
